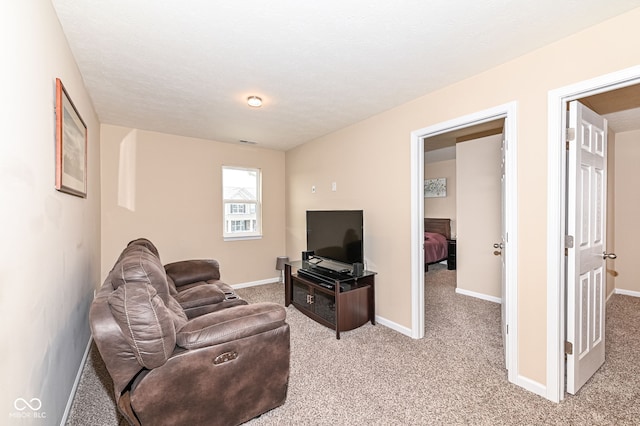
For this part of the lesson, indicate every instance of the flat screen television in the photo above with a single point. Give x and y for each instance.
(336, 235)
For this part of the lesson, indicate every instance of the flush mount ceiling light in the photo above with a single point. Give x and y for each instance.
(254, 101)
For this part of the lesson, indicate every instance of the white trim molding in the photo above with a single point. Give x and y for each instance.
(76, 382)
(417, 230)
(509, 112)
(532, 386)
(556, 213)
(479, 295)
(627, 292)
(393, 326)
(255, 283)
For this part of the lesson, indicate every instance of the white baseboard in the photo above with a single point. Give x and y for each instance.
(627, 292)
(610, 294)
(74, 388)
(532, 386)
(479, 295)
(255, 283)
(394, 326)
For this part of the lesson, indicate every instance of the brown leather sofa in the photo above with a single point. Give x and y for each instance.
(182, 348)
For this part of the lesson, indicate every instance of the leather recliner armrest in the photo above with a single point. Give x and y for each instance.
(230, 324)
(189, 271)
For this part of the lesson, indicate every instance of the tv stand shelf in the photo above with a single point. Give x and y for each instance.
(348, 305)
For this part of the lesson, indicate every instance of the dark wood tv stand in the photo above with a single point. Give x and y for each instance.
(339, 309)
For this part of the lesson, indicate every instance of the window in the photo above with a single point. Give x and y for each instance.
(241, 197)
(242, 209)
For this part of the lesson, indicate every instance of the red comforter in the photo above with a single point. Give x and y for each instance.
(435, 247)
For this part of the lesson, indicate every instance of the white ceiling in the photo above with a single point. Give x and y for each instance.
(187, 67)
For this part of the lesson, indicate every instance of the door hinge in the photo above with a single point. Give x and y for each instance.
(568, 241)
(571, 135)
(568, 348)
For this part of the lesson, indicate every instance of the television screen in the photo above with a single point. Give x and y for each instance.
(336, 234)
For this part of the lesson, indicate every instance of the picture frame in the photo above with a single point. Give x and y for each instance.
(435, 187)
(71, 145)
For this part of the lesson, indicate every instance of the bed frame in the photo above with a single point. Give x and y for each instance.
(441, 226)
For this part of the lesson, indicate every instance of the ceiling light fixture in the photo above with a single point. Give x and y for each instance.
(254, 101)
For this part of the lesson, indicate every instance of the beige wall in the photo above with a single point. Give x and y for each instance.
(169, 189)
(611, 211)
(371, 176)
(479, 211)
(379, 182)
(442, 207)
(50, 251)
(627, 211)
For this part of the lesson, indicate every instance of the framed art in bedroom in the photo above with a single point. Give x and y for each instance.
(71, 146)
(435, 187)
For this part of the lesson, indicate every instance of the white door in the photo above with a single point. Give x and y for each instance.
(586, 223)
(502, 247)
(478, 216)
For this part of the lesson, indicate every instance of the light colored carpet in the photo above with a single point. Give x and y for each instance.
(454, 376)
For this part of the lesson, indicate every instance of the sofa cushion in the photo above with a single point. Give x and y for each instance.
(205, 294)
(172, 286)
(146, 243)
(230, 324)
(189, 271)
(178, 315)
(147, 324)
(139, 265)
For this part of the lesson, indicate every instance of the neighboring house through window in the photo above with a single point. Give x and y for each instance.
(241, 193)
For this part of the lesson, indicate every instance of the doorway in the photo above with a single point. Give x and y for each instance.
(556, 229)
(508, 113)
(469, 160)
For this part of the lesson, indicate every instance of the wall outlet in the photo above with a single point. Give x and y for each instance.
(313, 189)
(334, 186)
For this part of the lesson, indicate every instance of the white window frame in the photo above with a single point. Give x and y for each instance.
(228, 216)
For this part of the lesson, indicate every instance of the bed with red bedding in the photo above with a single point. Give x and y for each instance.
(436, 234)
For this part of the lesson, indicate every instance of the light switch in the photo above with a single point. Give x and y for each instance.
(334, 186)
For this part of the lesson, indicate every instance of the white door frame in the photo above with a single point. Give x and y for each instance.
(507, 111)
(556, 214)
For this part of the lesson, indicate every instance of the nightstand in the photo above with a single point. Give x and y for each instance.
(451, 258)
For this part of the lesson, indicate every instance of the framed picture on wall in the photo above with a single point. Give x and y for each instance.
(71, 146)
(435, 187)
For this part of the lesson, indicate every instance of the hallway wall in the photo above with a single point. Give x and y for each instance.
(627, 211)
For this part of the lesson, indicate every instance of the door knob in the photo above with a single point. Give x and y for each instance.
(606, 255)
(497, 253)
